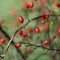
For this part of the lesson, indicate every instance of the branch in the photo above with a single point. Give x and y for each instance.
(8, 37)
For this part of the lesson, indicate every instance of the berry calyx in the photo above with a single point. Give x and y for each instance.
(2, 40)
(24, 34)
(17, 45)
(45, 42)
(20, 19)
(20, 32)
(31, 4)
(37, 30)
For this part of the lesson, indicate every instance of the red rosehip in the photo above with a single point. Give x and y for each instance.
(57, 4)
(43, 16)
(47, 15)
(53, 56)
(26, 5)
(45, 42)
(17, 45)
(31, 4)
(37, 30)
(20, 19)
(53, 37)
(20, 32)
(58, 31)
(24, 34)
(2, 40)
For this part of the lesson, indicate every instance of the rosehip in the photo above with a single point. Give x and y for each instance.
(42, 21)
(20, 19)
(2, 40)
(45, 42)
(27, 5)
(24, 34)
(53, 37)
(17, 45)
(20, 32)
(37, 30)
(31, 4)
(58, 31)
(45, 27)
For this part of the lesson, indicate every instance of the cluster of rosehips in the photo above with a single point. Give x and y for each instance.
(37, 30)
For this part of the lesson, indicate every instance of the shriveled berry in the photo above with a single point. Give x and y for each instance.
(47, 15)
(53, 56)
(20, 19)
(17, 45)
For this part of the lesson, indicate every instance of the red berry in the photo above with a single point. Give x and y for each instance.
(31, 4)
(43, 16)
(24, 34)
(58, 31)
(17, 45)
(53, 37)
(47, 15)
(2, 40)
(20, 19)
(57, 4)
(53, 56)
(20, 32)
(45, 42)
(37, 30)
(26, 5)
